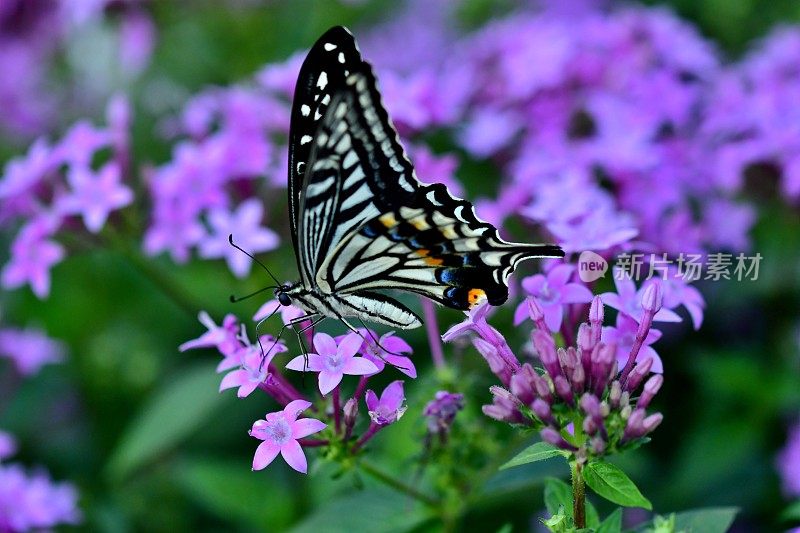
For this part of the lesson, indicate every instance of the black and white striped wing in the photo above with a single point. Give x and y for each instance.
(365, 222)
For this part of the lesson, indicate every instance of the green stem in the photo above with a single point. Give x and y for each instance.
(397, 485)
(578, 494)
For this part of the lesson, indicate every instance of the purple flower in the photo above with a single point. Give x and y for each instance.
(288, 312)
(433, 168)
(599, 230)
(387, 349)
(224, 338)
(80, 143)
(389, 408)
(624, 335)
(280, 432)
(333, 362)
(30, 349)
(252, 372)
(175, 229)
(474, 321)
(788, 462)
(244, 225)
(94, 195)
(35, 502)
(442, 411)
(553, 291)
(8, 445)
(677, 292)
(490, 130)
(32, 257)
(629, 301)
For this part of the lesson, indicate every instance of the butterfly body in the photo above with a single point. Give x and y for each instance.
(362, 222)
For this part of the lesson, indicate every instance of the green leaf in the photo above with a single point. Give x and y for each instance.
(792, 512)
(232, 491)
(614, 485)
(537, 452)
(374, 510)
(710, 520)
(557, 494)
(612, 523)
(178, 409)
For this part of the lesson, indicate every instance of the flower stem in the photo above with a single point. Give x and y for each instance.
(337, 411)
(432, 328)
(578, 494)
(397, 485)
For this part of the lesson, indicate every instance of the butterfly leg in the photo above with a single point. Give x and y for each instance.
(292, 322)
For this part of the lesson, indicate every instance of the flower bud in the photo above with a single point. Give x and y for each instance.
(634, 427)
(596, 318)
(522, 388)
(563, 389)
(589, 426)
(652, 422)
(651, 298)
(651, 388)
(542, 386)
(615, 394)
(546, 350)
(496, 363)
(602, 362)
(350, 411)
(553, 437)
(542, 410)
(598, 445)
(578, 379)
(637, 374)
(590, 405)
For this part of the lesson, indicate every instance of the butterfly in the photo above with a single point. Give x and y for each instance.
(361, 221)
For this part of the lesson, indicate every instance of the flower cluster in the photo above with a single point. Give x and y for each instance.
(582, 399)
(35, 36)
(57, 188)
(32, 501)
(252, 366)
(788, 463)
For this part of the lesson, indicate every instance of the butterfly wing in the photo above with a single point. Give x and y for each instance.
(321, 75)
(364, 221)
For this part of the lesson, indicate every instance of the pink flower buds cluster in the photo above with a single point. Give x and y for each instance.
(580, 384)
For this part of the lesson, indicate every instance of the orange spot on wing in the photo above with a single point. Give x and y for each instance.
(425, 254)
(474, 296)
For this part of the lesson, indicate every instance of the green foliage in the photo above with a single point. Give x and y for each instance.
(536, 452)
(613, 484)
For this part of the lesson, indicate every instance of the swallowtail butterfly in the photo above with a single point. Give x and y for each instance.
(361, 222)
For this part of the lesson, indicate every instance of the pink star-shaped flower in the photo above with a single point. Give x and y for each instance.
(32, 256)
(280, 431)
(389, 408)
(552, 291)
(333, 362)
(94, 196)
(244, 224)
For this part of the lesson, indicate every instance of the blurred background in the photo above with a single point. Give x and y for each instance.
(677, 121)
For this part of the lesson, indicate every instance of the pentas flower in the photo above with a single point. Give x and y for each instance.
(33, 254)
(94, 195)
(628, 299)
(253, 370)
(579, 384)
(333, 361)
(389, 407)
(623, 336)
(553, 291)
(224, 338)
(34, 502)
(287, 312)
(280, 432)
(244, 224)
(388, 348)
(442, 411)
(8, 445)
(788, 463)
(30, 349)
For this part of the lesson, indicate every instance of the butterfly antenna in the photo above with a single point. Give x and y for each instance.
(235, 299)
(251, 256)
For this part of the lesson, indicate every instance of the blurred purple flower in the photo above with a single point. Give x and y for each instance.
(94, 195)
(30, 349)
(788, 463)
(623, 336)
(8, 445)
(34, 502)
(287, 312)
(389, 408)
(32, 257)
(137, 35)
(245, 225)
(442, 411)
(280, 432)
(333, 362)
(432, 168)
(80, 143)
(224, 338)
(553, 291)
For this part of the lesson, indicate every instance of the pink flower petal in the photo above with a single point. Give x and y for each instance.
(246, 389)
(553, 314)
(328, 381)
(559, 275)
(293, 455)
(306, 363)
(306, 426)
(265, 453)
(533, 284)
(359, 366)
(521, 313)
(350, 345)
(324, 344)
(233, 379)
(372, 400)
(267, 309)
(573, 293)
(294, 408)
(393, 396)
